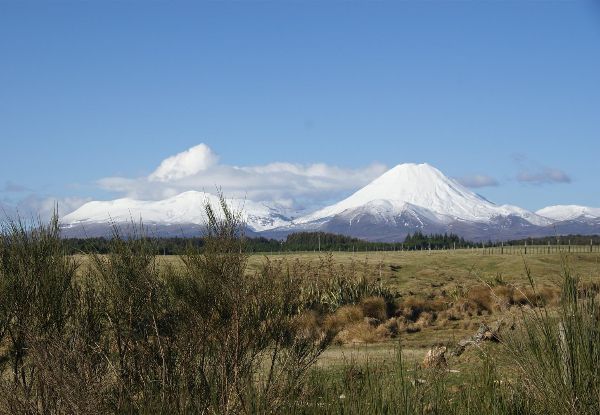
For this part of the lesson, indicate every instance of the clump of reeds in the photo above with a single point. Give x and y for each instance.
(329, 288)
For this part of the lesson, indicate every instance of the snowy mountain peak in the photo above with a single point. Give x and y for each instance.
(404, 199)
(423, 186)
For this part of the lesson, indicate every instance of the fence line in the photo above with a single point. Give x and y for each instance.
(482, 250)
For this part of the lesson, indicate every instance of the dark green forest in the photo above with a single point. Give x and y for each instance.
(295, 242)
(326, 242)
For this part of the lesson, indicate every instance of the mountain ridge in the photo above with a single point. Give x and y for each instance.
(407, 198)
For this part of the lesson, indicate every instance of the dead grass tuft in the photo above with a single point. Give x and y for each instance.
(481, 295)
(374, 307)
(361, 332)
(412, 307)
(343, 317)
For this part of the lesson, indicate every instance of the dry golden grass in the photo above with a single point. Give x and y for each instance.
(454, 291)
(421, 272)
(307, 324)
(374, 307)
(343, 317)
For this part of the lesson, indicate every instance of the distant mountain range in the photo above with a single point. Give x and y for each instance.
(405, 199)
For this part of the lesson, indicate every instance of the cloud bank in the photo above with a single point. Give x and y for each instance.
(286, 184)
(545, 176)
(531, 172)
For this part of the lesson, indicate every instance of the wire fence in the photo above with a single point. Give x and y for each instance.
(481, 250)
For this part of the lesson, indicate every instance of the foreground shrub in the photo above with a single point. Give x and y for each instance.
(131, 337)
(36, 300)
(246, 347)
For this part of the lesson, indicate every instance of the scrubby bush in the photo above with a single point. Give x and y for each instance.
(128, 336)
(36, 302)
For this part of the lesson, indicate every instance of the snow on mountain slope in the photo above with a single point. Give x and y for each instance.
(185, 208)
(569, 212)
(528, 215)
(385, 211)
(425, 187)
(407, 198)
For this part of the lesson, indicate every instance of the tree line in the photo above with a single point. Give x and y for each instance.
(294, 242)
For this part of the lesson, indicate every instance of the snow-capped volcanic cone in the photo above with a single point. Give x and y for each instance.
(184, 209)
(422, 189)
(569, 212)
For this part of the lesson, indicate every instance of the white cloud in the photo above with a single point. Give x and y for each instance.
(288, 184)
(547, 175)
(533, 172)
(477, 180)
(185, 164)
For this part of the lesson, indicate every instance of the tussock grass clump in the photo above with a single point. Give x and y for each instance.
(342, 317)
(482, 297)
(359, 332)
(329, 287)
(557, 351)
(412, 307)
(375, 307)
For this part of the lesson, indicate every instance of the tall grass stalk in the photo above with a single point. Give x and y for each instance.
(558, 352)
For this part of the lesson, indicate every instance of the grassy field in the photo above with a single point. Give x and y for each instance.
(422, 271)
(432, 274)
(429, 273)
(456, 332)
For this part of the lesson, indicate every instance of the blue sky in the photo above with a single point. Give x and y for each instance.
(95, 95)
